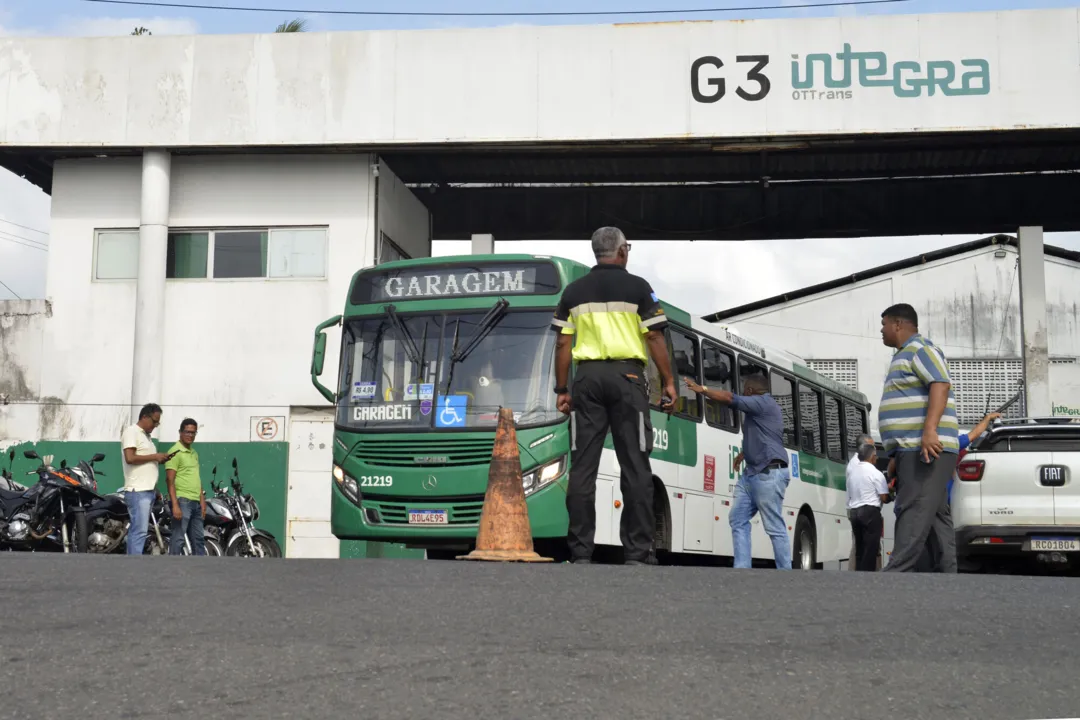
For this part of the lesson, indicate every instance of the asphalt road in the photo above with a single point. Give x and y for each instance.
(117, 637)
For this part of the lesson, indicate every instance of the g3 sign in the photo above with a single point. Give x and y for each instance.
(708, 84)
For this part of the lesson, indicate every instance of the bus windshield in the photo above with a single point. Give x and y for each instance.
(400, 371)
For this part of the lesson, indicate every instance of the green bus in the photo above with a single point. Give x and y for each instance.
(432, 348)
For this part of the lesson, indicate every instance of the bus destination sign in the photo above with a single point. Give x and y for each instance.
(455, 281)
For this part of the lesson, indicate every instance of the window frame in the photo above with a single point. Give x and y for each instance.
(821, 418)
(98, 232)
(211, 232)
(696, 339)
(825, 397)
(734, 373)
(845, 404)
(794, 403)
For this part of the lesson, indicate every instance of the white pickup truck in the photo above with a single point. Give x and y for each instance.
(1017, 499)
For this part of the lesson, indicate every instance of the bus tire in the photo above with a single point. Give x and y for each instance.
(804, 555)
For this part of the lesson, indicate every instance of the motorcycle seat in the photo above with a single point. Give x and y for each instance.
(11, 494)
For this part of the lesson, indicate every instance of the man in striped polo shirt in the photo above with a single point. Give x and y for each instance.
(917, 421)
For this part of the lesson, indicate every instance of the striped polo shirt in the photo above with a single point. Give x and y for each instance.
(610, 311)
(906, 396)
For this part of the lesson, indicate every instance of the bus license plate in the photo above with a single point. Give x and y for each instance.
(427, 517)
(1054, 544)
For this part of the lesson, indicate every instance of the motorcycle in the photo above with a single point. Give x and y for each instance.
(234, 518)
(49, 515)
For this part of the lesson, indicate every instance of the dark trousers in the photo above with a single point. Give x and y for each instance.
(191, 525)
(866, 524)
(611, 396)
(922, 500)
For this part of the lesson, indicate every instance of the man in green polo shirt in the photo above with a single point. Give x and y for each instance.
(185, 492)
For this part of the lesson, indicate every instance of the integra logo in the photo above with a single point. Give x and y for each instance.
(906, 78)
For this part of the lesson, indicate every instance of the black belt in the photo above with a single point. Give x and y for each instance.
(608, 361)
(776, 465)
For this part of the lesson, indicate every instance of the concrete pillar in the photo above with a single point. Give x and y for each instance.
(150, 287)
(483, 244)
(1033, 323)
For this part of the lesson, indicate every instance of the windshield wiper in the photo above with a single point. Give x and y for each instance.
(406, 339)
(486, 325)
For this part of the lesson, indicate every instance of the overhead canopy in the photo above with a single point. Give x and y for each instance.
(884, 125)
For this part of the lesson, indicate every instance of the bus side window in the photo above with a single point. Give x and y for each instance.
(854, 426)
(832, 429)
(783, 391)
(810, 419)
(717, 367)
(685, 361)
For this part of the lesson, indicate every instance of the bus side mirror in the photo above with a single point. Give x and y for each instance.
(319, 357)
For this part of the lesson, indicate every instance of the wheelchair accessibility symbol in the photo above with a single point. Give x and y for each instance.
(451, 411)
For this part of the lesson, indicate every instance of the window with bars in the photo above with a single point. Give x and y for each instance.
(980, 386)
(845, 372)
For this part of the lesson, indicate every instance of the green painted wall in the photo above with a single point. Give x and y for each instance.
(263, 470)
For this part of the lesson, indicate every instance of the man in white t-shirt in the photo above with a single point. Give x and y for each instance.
(140, 459)
(866, 491)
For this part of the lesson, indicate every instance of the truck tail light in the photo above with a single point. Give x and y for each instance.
(970, 470)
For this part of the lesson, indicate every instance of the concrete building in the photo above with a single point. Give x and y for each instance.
(967, 297)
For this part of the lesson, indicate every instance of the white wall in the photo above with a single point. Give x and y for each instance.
(402, 216)
(968, 305)
(244, 344)
(22, 336)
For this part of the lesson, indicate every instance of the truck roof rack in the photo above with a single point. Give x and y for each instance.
(1050, 420)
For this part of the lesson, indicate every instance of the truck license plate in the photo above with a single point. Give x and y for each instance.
(1053, 544)
(427, 517)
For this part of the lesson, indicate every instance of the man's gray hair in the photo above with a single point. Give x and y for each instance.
(606, 242)
(867, 448)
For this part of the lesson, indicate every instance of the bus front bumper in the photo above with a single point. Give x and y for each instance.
(547, 518)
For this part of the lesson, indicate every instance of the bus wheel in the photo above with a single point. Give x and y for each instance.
(805, 555)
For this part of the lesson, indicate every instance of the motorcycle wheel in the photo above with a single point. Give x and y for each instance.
(213, 547)
(152, 547)
(269, 548)
(80, 533)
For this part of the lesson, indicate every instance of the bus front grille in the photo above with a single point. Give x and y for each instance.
(433, 452)
(459, 510)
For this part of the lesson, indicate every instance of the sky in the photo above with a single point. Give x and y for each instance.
(701, 277)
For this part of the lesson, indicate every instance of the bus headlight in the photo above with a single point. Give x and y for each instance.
(543, 475)
(347, 484)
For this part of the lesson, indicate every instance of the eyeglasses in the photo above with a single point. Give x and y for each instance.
(189, 432)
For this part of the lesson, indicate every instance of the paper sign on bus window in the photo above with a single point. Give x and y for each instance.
(363, 391)
(710, 473)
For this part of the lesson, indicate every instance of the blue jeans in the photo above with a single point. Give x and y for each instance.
(763, 494)
(191, 525)
(138, 505)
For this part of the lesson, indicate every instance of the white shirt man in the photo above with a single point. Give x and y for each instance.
(140, 459)
(866, 491)
(865, 485)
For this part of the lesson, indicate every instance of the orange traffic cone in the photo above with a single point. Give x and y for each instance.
(505, 534)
